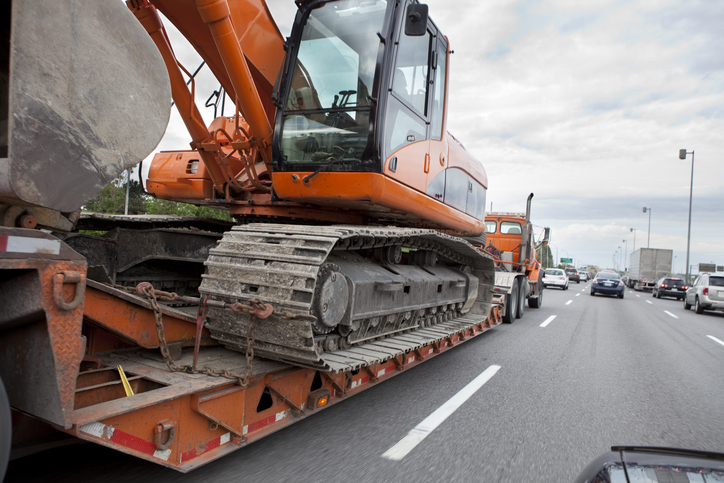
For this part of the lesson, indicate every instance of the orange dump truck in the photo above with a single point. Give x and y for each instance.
(518, 272)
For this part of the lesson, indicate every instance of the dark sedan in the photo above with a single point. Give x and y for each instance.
(670, 287)
(573, 275)
(608, 283)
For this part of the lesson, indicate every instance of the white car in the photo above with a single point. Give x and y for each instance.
(583, 276)
(555, 277)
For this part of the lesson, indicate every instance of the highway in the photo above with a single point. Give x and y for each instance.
(563, 384)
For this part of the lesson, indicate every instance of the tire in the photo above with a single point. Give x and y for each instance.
(658, 295)
(6, 430)
(699, 308)
(566, 287)
(687, 305)
(593, 293)
(521, 301)
(621, 295)
(511, 304)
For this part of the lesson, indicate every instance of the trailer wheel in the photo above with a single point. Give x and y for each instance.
(6, 430)
(521, 301)
(511, 304)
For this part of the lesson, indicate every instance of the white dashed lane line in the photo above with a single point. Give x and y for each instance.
(638, 295)
(667, 312)
(569, 302)
(715, 339)
(428, 425)
(649, 302)
(577, 294)
(548, 320)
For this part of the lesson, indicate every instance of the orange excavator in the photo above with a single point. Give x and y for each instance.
(344, 122)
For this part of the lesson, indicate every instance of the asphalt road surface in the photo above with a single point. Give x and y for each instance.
(563, 384)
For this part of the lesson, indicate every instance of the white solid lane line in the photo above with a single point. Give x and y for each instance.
(428, 425)
(667, 312)
(569, 302)
(548, 320)
(715, 339)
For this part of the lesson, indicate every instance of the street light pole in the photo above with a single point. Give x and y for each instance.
(648, 240)
(619, 257)
(634, 232)
(624, 255)
(682, 155)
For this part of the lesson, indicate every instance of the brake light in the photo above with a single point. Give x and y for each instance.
(620, 282)
(705, 291)
(664, 285)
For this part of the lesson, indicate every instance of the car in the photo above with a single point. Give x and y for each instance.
(573, 275)
(583, 276)
(670, 287)
(555, 277)
(608, 283)
(653, 464)
(707, 293)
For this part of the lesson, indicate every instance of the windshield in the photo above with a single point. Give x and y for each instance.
(554, 272)
(327, 110)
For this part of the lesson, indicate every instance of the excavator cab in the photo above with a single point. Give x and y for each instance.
(363, 90)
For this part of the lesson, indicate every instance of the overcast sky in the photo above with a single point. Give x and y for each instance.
(586, 104)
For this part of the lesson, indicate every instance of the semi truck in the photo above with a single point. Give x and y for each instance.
(180, 340)
(647, 266)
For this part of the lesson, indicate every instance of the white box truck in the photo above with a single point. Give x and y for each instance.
(647, 266)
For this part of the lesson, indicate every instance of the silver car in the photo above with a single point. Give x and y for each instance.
(707, 293)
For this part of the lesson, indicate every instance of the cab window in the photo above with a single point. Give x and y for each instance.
(490, 226)
(511, 228)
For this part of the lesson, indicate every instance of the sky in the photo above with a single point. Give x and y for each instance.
(586, 105)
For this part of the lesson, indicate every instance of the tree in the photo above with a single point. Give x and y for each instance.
(545, 256)
(155, 206)
(112, 199)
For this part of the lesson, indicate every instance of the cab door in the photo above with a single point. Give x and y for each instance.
(407, 118)
(437, 98)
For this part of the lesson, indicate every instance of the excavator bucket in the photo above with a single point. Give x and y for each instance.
(84, 95)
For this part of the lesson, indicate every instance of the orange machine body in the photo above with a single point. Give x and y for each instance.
(376, 153)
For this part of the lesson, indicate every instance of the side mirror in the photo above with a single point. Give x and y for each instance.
(416, 20)
(546, 235)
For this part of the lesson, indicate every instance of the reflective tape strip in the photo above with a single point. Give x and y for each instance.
(107, 432)
(359, 382)
(213, 444)
(21, 244)
(249, 428)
